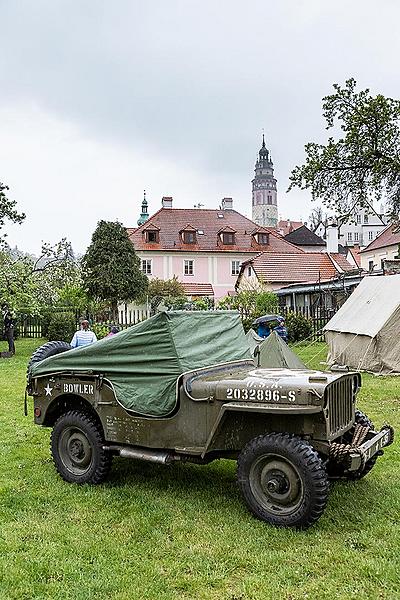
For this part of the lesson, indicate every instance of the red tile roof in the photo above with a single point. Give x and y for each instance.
(198, 289)
(355, 252)
(171, 221)
(297, 268)
(389, 237)
(287, 226)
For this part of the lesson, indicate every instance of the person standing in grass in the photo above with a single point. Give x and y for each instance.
(9, 331)
(84, 337)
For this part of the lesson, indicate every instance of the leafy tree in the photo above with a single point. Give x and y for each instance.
(111, 267)
(30, 283)
(165, 291)
(251, 304)
(363, 161)
(7, 211)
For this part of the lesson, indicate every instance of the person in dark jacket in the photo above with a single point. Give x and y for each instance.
(9, 331)
(281, 330)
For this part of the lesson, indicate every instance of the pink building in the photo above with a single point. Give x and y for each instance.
(203, 248)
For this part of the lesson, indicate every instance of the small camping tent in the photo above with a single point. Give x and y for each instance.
(365, 332)
(272, 352)
(254, 340)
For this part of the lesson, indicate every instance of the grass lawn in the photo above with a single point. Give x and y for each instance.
(154, 532)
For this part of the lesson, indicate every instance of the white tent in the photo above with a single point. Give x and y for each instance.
(365, 332)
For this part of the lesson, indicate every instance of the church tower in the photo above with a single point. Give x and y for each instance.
(264, 202)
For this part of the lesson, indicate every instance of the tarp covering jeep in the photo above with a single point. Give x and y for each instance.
(144, 361)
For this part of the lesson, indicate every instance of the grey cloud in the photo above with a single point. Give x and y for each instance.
(194, 81)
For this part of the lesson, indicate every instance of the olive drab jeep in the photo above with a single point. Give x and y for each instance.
(183, 386)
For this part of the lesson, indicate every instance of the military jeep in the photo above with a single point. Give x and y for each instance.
(182, 386)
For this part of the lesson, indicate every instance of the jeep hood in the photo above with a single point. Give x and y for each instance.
(286, 386)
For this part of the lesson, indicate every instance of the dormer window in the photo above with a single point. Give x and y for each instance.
(189, 237)
(152, 236)
(228, 238)
(188, 234)
(261, 237)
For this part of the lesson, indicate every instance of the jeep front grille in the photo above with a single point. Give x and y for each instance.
(339, 404)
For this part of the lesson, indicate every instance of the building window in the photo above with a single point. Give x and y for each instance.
(356, 236)
(151, 236)
(370, 265)
(349, 236)
(228, 238)
(235, 267)
(365, 218)
(263, 238)
(146, 266)
(358, 219)
(188, 267)
(370, 235)
(189, 237)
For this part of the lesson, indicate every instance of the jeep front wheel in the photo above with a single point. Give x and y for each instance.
(77, 448)
(283, 480)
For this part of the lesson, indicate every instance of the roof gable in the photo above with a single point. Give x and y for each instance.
(303, 236)
(390, 236)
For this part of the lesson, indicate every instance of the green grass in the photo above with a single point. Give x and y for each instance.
(153, 532)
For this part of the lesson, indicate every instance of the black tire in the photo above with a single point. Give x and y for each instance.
(47, 350)
(337, 471)
(283, 480)
(77, 448)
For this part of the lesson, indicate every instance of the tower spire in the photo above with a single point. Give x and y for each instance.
(264, 203)
(144, 215)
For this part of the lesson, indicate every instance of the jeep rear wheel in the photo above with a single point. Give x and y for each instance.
(283, 480)
(77, 448)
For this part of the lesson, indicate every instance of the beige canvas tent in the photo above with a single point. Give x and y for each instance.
(365, 332)
(272, 352)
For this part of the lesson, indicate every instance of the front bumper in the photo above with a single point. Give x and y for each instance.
(359, 455)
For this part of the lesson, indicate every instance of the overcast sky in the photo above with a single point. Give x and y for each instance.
(99, 100)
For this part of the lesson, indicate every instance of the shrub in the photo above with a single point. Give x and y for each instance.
(100, 329)
(299, 327)
(61, 326)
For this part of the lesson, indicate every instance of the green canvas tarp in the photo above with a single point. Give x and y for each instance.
(143, 362)
(272, 352)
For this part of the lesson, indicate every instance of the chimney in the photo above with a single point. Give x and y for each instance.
(227, 204)
(166, 202)
(332, 240)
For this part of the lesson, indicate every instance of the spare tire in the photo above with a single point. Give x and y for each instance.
(47, 350)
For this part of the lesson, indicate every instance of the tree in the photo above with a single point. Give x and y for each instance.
(318, 217)
(31, 283)
(166, 291)
(251, 304)
(111, 267)
(7, 211)
(363, 162)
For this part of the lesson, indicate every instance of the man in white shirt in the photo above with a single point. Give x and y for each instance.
(84, 337)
